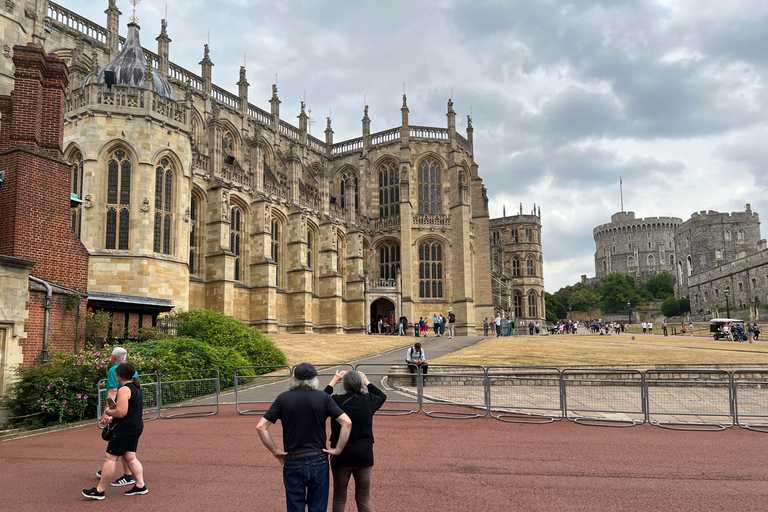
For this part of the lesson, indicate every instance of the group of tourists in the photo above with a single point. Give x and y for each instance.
(735, 332)
(505, 326)
(439, 325)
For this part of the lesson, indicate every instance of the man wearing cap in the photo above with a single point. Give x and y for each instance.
(303, 411)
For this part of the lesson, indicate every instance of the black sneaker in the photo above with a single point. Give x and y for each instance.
(93, 494)
(98, 474)
(136, 490)
(123, 480)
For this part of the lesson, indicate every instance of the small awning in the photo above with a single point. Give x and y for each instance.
(117, 302)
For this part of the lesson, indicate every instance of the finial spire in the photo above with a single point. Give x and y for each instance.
(134, 3)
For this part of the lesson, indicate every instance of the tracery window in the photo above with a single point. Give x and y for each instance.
(389, 260)
(76, 213)
(530, 266)
(275, 253)
(518, 302)
(516, 266)
(528, 235)
(163, 200)
(430, 187)
(389, 190)
(727, 236)
(236, 238)
(651, 262)
(194, 230)
(513, 236)
(430, 270)
(531, 305)
(118, 200)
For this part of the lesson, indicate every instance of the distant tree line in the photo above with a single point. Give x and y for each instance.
(612, 294)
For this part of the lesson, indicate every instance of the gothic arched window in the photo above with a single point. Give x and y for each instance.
(651, 262)
(518, 302)
(275, 252)
(236, 226)
(530, 266)
(631, 264)
(389, 190)
(690, 266)
(430, 187)
(430, 270)
(76, 214)
(516, 266)
(389, 260)
(194, 232)
(531, 305)
(163, 199)
(118, 200)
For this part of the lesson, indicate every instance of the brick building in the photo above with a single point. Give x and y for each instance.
(42, 264)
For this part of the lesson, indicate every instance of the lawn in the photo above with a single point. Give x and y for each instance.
(589, 349)
(336, 348)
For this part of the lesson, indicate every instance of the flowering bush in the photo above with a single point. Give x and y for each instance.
(65, 389)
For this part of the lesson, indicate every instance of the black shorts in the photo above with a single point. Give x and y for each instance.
(122, 442)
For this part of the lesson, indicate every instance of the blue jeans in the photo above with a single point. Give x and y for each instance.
(306, 484)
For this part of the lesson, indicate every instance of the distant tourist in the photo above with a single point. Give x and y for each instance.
(664, 327)
(645, 327)
(690, 327)
(485, 326)
(650, 327)
(451, 323)
(497, 321)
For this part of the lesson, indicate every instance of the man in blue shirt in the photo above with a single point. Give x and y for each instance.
(303, 410)
(118, 357)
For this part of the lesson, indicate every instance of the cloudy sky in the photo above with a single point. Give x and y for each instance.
(565, 96)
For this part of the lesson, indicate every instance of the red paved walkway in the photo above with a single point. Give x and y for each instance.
(422, 463)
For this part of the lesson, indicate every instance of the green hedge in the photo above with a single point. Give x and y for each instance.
(64, 389)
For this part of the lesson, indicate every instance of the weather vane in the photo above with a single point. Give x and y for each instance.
(134, 19)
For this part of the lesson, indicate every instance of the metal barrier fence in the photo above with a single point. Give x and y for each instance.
(402, 388)
(462, 388)
(603, 397)
(255, 387)
(524, 394)
(181, 390)
(149, 395)
(686, 399)
(750, 399)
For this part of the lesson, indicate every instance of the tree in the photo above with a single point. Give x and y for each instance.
(685, 305)
(670, 307)
(555, 310)
(661, 286)
(584, 300)
(616, 291)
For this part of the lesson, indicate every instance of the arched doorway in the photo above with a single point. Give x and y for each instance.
(384, 308)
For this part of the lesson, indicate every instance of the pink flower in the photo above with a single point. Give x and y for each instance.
(57, 391)
(85, 397)
(63, 401)
(48, 386)
(70, 410)
(44, 406)
(79, 395)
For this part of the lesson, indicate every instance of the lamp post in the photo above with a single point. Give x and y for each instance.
(629, 313)
(727, 306)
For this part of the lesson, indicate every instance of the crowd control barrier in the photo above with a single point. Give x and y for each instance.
(750, 398)
(195, 390)
(256, 387)
(454, 391)
(399, 385)
(524, 394)
(688, 399)
(604, 397)
(149, 394)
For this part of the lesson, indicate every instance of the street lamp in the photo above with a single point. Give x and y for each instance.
(727, 306)
(629, 313)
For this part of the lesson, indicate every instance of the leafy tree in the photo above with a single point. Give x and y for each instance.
(584, 299)
(555, 310)
(685, 305)
(670, 307)
(661, 286)
(615, 291)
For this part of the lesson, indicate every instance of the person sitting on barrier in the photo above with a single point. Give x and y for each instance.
(360, 401)
(303, 410)
(118, 357)
(126, 412)
(415, 358)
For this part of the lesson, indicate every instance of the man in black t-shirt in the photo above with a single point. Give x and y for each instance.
(303, 410)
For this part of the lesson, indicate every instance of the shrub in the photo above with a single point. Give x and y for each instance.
(64, 389)
(222, 331)
(670, 307)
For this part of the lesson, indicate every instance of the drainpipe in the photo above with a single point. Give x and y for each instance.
(47, 304)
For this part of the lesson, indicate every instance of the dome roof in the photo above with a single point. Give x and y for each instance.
(130, 65)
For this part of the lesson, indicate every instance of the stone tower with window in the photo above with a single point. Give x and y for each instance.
(517, 263)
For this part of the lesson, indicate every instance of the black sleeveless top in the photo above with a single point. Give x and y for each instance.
(132, 422)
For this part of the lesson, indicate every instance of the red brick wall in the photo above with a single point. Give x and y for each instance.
(62, 331)
(35, 223)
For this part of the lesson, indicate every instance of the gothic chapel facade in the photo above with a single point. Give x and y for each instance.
(194, 195)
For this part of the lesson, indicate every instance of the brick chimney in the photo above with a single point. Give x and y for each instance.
(35, 194)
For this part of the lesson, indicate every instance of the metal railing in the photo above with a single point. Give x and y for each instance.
(181, 390)
(255, 387)
(750, 399)
(524, 394)
(603, 397)
(686, 399)
(388, 377)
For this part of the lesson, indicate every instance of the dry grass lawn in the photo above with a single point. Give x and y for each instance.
(588, 349)
(336, 348)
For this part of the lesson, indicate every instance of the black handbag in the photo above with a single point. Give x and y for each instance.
(107, 431)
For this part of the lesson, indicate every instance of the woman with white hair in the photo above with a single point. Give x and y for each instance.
(360, 401)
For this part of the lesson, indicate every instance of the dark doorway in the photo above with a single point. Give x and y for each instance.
(385, 309)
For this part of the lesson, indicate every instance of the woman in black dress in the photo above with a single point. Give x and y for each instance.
(129, 425)
(360, 401)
